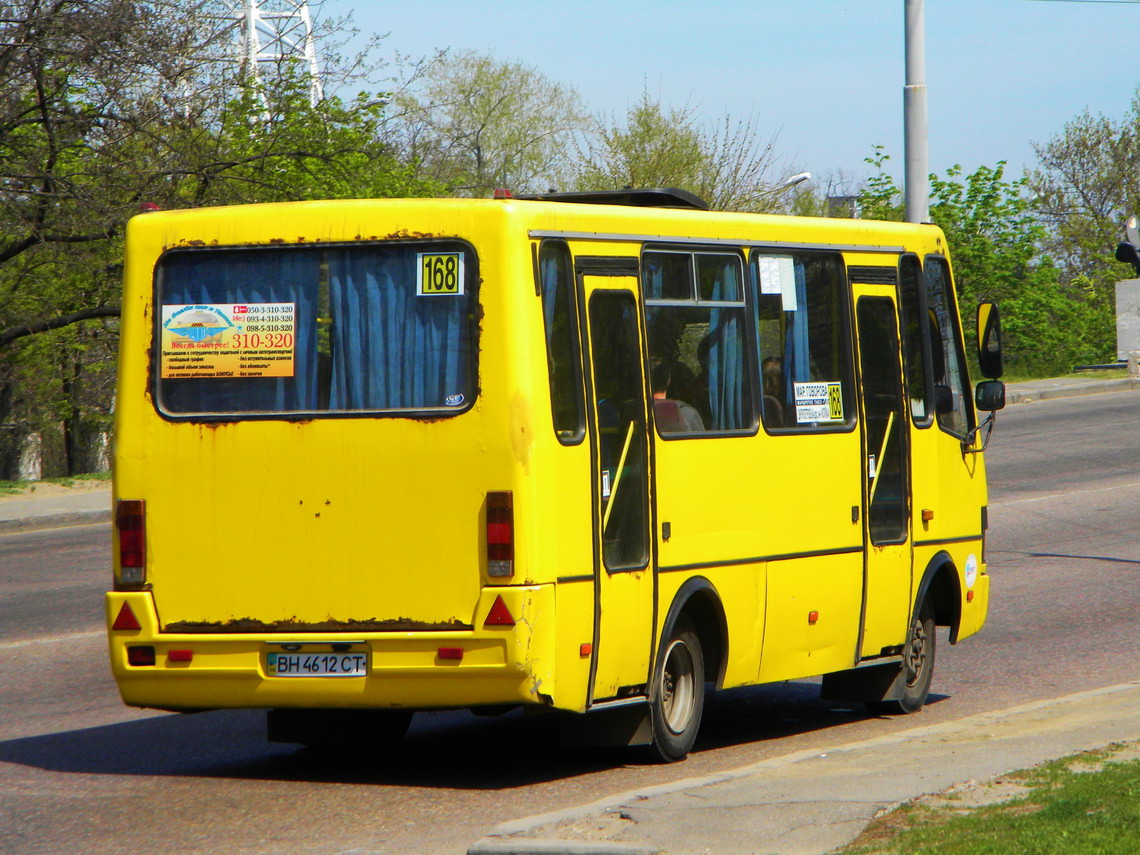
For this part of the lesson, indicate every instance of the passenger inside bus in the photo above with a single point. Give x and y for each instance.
(672, 416)
(773, 377)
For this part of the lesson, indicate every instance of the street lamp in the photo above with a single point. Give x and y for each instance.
(798, 178)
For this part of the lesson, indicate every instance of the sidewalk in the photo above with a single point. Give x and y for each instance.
(52, 506)
(813, 802)
(1066, 387)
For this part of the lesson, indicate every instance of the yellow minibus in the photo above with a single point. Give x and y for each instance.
(580, 452)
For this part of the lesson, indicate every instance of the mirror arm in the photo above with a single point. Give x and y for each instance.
(968, 442)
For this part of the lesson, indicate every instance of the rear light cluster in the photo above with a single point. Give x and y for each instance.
(141, 656)
(130, 520)
(500, 534)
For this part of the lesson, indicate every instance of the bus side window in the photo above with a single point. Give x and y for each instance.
(955, 412)
(561, 323)
(699, 343)
(804, 341)
(916, 337)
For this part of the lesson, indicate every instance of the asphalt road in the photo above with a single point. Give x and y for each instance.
(80, 772)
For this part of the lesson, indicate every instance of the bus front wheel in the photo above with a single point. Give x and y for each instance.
(678, 695)
(918, 666)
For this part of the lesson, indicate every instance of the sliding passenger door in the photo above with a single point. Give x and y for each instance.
(886, 473)
(624, 583)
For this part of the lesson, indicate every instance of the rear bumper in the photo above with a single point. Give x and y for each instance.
(499, 664)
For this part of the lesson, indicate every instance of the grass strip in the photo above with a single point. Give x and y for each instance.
(1083, 805)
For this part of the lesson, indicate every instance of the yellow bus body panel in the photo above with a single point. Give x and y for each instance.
(372, 529)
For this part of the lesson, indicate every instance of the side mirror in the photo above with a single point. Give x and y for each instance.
(989, 341)
(989, 395)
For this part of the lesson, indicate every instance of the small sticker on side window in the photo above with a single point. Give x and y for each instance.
(439, 274)
(819, 402)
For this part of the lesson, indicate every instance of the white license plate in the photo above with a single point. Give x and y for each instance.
(317, 664)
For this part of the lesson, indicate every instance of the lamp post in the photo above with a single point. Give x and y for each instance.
(916, 185)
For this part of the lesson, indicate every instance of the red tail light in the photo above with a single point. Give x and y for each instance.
(130, 520)
(500, 534)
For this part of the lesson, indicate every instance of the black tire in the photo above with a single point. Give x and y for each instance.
(918, 665)
(677, 698)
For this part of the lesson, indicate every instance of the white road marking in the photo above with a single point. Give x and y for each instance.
(51, 639)
(1066, 495)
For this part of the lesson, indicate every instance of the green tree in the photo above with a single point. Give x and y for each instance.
(475, 123)
(996, 243)
(1086, 185)
(728, 164)
(110, 104)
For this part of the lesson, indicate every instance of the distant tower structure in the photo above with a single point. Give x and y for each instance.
(275, 34)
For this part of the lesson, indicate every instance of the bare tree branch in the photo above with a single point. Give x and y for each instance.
(10, 335)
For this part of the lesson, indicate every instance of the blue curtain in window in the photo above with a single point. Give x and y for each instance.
(391, 348)
(249, 276)
(550, 295)
(727, 385)
(654, 280)
(797, 364)
(654, 285)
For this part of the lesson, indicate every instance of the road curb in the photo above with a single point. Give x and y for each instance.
(1023, 394)
(60, 520)
(536, 846)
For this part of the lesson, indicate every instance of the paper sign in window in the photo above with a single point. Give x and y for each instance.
(778, 276)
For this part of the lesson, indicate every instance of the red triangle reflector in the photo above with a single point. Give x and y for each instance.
(126, 619)
(499, 615)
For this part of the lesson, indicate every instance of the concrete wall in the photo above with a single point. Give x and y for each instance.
(1127, 318)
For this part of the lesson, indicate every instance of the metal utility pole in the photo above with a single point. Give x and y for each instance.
(276, 33)
(917, 181)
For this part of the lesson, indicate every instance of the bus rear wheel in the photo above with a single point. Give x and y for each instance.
(677, 698)
(918, 665)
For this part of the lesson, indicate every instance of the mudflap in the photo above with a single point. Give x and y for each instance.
(870, 683)
(607, 728)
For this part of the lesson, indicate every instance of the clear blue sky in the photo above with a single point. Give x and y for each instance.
(825, 75)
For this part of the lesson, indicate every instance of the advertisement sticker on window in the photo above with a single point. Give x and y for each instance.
(228, 340)
(819, 402)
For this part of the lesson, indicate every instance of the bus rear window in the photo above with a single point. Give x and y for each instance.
(379, 328)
